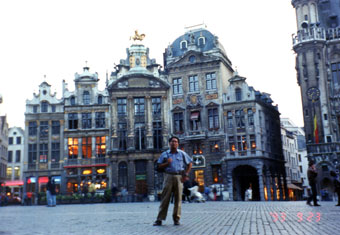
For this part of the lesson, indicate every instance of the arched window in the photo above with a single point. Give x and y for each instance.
(238, 94)
(100, 99)
(201, 41)
(122, 175)
(184, 45)
(86, 97)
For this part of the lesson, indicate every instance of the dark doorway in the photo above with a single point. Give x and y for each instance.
(244, 177)
(141, 185)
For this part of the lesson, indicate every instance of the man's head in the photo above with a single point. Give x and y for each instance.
(174, 142)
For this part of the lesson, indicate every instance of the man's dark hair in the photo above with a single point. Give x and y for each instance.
(173, 137)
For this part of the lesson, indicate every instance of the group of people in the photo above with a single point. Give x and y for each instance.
(312, 174)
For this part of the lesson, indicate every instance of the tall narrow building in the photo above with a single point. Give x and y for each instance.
(317, 48)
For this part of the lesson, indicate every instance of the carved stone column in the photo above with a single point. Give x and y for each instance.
(274, 187)
(259, 172)
(269, 192)
(148, 124)
(131, 126)
(165, 120)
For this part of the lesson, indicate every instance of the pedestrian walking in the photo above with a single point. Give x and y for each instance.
(53, 193)
(312, 174)
(248, 194)
(336, 182)
(177, 165)
(48, 192)
(92, 190)
(114, 191)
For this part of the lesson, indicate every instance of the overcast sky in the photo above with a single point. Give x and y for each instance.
(55, 38)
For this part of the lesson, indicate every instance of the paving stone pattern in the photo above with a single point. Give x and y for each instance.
(197, 218)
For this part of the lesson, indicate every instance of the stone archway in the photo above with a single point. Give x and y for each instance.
(243, 177)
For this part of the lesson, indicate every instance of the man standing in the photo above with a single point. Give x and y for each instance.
(177, 165)
(312, 174)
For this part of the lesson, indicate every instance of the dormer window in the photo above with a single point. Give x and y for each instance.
(73, 100)
(100, 99)
(44, 106)
(86, 97)
(184, 45)
(201, 41)
(238, 94)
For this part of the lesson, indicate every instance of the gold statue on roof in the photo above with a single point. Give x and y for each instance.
(137, 36)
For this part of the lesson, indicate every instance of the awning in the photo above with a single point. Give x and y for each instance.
(14, 183)
(194, 115)
(293, 186)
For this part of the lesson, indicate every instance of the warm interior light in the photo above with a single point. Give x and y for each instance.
(101, 171)
(216, 146)
(87, 172)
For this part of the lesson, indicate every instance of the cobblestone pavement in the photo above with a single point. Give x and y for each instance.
(197, 218)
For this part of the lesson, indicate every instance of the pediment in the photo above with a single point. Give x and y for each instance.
(178, 109)
(139, 81)
(212, 104)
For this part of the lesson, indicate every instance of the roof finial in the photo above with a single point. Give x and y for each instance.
(235, 72)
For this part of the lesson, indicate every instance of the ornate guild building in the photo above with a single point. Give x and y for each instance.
(317, 48)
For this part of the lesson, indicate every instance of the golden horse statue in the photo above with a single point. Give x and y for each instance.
(138, 36)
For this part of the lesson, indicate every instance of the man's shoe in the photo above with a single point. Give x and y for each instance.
(317, 205)
(308, 203)
(337, 205)
(176, 223)
(157, 223)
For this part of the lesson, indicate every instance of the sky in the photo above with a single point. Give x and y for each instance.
(47, 40)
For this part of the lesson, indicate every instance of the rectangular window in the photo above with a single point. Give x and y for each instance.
(9, 173)
(32, 128)
(178, 123)
(229, 119)
(55, 151)
(17, 156)
(86, 98)
(43, 128)
(32, 153)
(100, 120)
(157, 135)
(43, 152)
(177, 86)
(10, 140)
(239, 117)
(100, 146)
(216, 173)
(213, 121)
(72, 121)
(121, 106)
(242, 143)
(195, 121)
(250, 117)
(87, 147)
(16, 173)
(232, 147)
(210, 81)
(10, 156)
(140, 136)
(72, 148)
(122, 135)
(252, 142)
(193, 83)
(18, 140)
(156, 106)
(139, 106)
(336, 74)
(44, 107)
(55, 127)
(35, 108)
(54, 108)
(86, 120)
